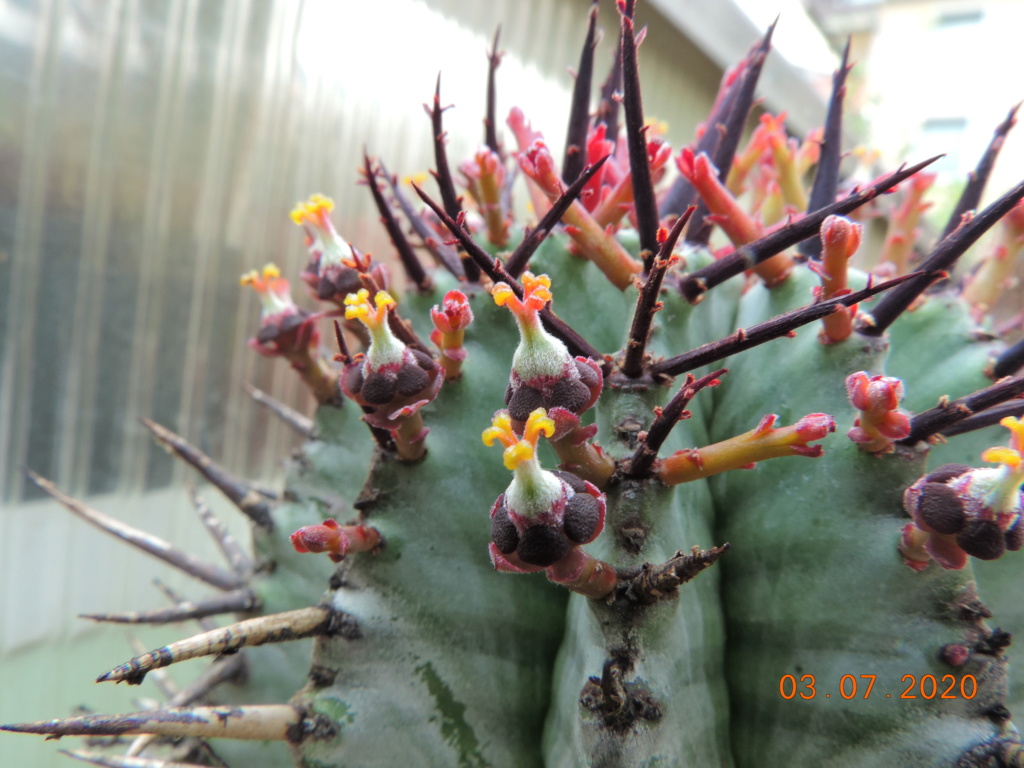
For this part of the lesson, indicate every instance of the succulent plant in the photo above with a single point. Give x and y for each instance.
(842, 622)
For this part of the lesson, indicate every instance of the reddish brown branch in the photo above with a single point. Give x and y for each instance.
(647, 303)
(646, 453)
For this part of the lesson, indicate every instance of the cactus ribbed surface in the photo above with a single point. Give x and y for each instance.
(843, 624)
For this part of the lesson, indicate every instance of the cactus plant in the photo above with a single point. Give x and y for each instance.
(841, 621)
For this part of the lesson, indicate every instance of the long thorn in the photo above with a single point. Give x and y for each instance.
(667, 417)
(205, 623)
(410, 261)
(233, 668)
(766, 331)
(658, 582)
(443, 174)
(949, 412)
(644, 203)
(987, 418)
(940, 261)
(721, 147)
(1009, 361)
(241, 493)
(443, 255)
(826, 177)
(194, 566)
(490, 121)
(163, 682)
(577, 345)
(230, 668)
(977, 179)
(579, 111)
(520, 257)
(647, 303)
(236, 601)
(275, 722)
(608, 108)
(276, 628)
(236, 556)
(694, 285)
(126, 761)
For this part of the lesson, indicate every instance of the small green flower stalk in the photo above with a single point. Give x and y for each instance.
(703, 606)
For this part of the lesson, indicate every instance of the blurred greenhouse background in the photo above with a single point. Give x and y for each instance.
(150, 152)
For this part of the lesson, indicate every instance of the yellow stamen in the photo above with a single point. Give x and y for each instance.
(313, 210)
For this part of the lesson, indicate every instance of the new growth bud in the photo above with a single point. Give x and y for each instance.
(334, 539)
(880, 423)
(543, 517)
(590, 237)
(840, 239)
(485, 179)
(959, 511)
(765, 441)
(451, 319)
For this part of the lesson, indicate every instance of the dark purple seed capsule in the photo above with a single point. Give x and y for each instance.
(590, 378)
(508, 393)
(541, 545)
(423, 360)
(946, 472)
(525, 401)
(576, 483)
(324, 289)
(291, 322)
(352, 378)
(347, 281)
(941, 508)
(582, 514)
(1015, 536)
(378, 388)
(503, 532)
(411, 379)
(982, 539)
(268, 333)
(571, 394)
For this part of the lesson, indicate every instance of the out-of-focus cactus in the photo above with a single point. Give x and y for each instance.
(648, 439)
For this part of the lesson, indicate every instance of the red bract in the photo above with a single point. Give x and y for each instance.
(880, 423)
(335, 539)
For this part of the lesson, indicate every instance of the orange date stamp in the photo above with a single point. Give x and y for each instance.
(863, 686)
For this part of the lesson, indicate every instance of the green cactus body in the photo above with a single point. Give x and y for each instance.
(812, 643)
(673, 649)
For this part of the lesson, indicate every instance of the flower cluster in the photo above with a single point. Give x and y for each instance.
(391, 380)
(544, 374)
(959, 511)
(335, 269)
(289, 332)
(543, 517)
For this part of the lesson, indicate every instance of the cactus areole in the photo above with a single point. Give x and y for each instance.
(550, 606)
